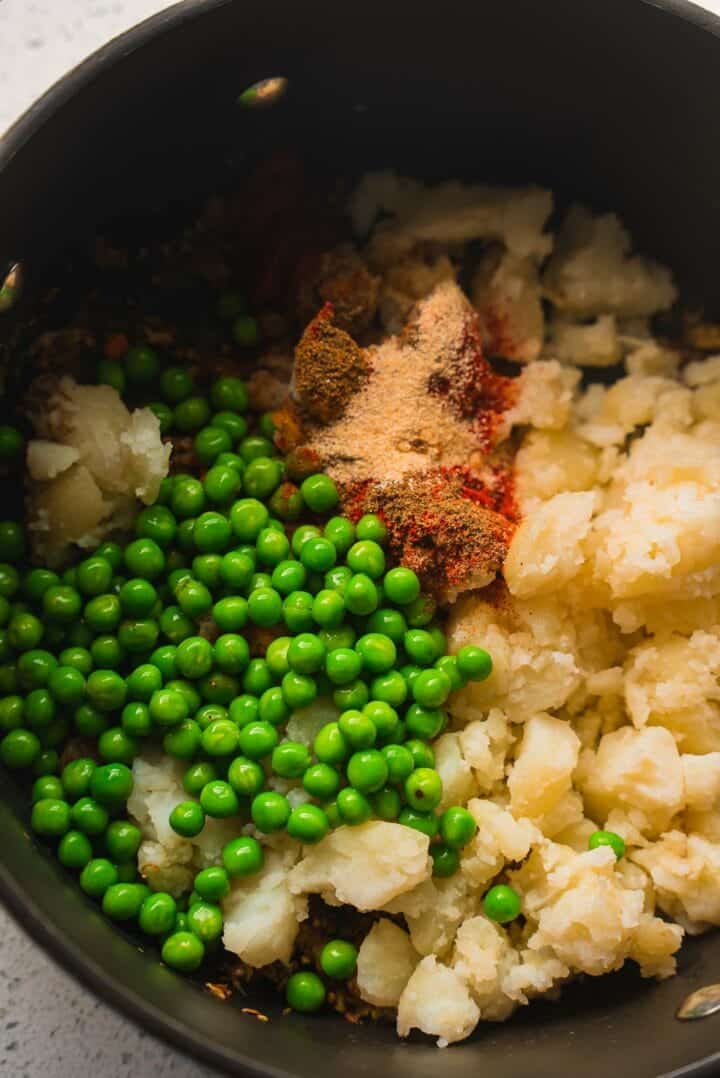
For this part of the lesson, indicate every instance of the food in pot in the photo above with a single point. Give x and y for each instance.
(367, 635)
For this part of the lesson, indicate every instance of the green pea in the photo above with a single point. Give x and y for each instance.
(187, 819)
(123, 901)
(299, 690)
(106, 690)
(50, 817)
(330, 744)
(89, 816)
(12, 443)
(197, 776)
(391, 688)
(272, 546)
(24, 632)
(212, 533)
(474, 663)
(164, 414)
(425, 723)
(248, 518)
(423, 789)
(307, 823)
(40, 709)
(168, 707)
(270, 811)
(262, 476)
(341, 533)
(143, 681)
(229, 393)
(164, 658)
(219, 688)
(157, 914)
(245, 331)
(97, 876)
(265, 607)
(387, 804)
(219, 800)
(191, 414)
(11, 713)
(137, 598)
(305, 992)
(361, 595)
(425, 822)
(205, 921)
(183, 951)
(297, 611)
(338, 959)
(420, 611)
(449, 666)
(123, 840)
(236, 569)
(232, 653)
(257, 678)
(221, 738)
(607, 838)
(367, 771)
(76, 777)
(111, 784)
(318, 555)
(210, 442)
(89, 721)
(78, 658)
(157, 523)
(446, 861)
(502, 904)
(106, 653)
(320, 493)
(457, 827)
(221, 482)
(388, 622)
(353, 807)
(47, 786)
(243, 856)
(135, 720)
(115, 745)
(188, 498)
(290, 760)
(351, 697)
(75, 850)
(321, 781)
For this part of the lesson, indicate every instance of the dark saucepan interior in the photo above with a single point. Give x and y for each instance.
(614, 101)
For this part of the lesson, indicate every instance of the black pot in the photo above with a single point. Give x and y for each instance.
(613, 101)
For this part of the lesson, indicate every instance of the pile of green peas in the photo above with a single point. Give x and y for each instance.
(154, 643)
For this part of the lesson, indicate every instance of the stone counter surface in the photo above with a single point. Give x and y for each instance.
(50, 1026)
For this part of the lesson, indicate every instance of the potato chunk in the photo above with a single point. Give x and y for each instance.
(542, 772)
(635, 770)
(436, 1000)
(365, 866)
(386, 961)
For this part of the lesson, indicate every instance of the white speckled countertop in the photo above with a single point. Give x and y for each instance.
(49, 1025)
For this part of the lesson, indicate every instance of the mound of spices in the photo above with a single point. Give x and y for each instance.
(413, 438)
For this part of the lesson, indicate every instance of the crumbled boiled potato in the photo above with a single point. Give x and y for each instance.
(386, 961)
(92, 462)
(587, 344)
(672, 681)
(437, 1001)
(634, 769)
(544, 765)
(592, 272)
(365, 866)
(547, 550)
(685, 869)
(262, 915)
(545, 395)
(500, 838)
